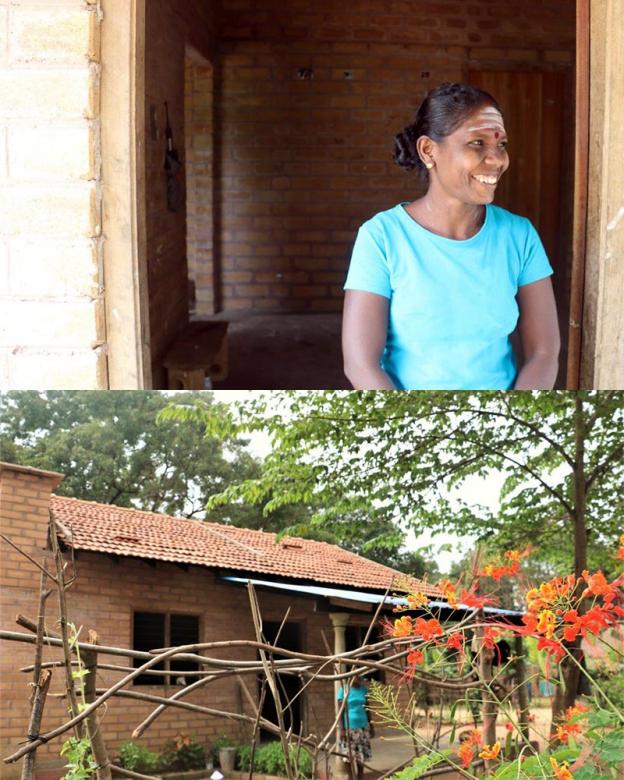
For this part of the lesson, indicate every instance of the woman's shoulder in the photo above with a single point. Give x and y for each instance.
(382, 220)
(508, 220)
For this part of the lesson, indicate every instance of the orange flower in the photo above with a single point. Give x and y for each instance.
(620, 553)
(566, 730)
(552, 647)
(561, 772)
(577, 709)
(415, 657)
(448, 590)
(597, 585)
(490, 752)
(465, 754)
(428, 629)
(489, 635)
(403, 626)
(470, 599)
(416, 600)
(474, 738)
(546, 623)
(455, 641)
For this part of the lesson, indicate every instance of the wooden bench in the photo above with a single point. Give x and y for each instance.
(199, 352)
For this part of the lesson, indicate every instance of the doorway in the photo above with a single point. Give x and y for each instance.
(289, 686)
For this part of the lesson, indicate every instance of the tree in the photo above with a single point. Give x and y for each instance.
(395, 458)
(111, 450)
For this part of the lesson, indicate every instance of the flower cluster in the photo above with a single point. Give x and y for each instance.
(469, 744)
(554, 613)
(620, 553)
(570, 726)
(507, 567)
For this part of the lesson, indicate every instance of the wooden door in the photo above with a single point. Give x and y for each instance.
(532, 107)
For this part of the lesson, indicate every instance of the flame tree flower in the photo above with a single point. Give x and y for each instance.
(490, 752)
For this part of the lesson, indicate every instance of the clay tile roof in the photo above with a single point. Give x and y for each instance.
(111, 529)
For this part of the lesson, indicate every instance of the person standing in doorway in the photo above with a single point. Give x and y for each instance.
(438, 287)
(355, 740)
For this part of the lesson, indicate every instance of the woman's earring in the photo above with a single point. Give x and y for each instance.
(429, 165)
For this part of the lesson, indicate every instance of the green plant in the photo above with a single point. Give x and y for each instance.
(269, 759)
(243, 757)
(220, 742)
(137, 758)
(182, 754)
(81, 764)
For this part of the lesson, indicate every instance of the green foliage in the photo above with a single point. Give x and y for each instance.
(534, 766)
(421, 765)
(138, 758)
(269, 759)
(182, 754)
(112, 449)
(80, 762)
(390, 461)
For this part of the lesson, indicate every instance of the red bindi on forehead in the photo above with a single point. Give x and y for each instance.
(496, 134)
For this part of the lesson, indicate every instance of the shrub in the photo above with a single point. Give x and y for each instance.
(137, 758)
(269, 759)
(182, 754)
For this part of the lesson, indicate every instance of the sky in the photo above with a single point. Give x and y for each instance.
(477, 490)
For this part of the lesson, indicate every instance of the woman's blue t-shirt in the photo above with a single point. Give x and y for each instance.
(356, 716)
(452, 303)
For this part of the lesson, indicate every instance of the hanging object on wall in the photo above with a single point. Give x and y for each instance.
(173, 170)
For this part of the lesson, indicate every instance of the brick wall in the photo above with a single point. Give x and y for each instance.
(51, 313)
(104, 597)
(305, 160)
(170, 27)
(199, 141)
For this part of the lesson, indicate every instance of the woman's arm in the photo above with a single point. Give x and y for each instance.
(364, 332)
(539, 333)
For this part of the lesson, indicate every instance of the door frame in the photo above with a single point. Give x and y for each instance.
(124, 258)
(601, 39)
(596, 337)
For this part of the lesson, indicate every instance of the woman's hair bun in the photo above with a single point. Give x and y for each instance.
(440, 113)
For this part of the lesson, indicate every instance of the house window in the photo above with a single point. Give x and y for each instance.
(156, 629)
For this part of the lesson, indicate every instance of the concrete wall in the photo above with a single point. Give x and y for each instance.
(170, 26)
(305, 161)
(104, 597)
(52, 331)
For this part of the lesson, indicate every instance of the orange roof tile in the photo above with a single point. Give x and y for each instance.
(121, 531)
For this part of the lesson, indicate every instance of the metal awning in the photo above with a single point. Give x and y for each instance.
(358, 596)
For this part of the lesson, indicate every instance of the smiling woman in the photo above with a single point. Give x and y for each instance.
(438, 288)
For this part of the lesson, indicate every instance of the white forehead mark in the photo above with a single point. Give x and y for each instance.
(490, 119)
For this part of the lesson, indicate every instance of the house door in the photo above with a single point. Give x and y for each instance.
(289, 686)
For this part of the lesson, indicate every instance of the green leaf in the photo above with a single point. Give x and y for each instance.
(601, 718)
(421, 765)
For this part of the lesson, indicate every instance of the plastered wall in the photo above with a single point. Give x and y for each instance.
(52, 330)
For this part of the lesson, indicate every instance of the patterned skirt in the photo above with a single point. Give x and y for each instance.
(358, 743)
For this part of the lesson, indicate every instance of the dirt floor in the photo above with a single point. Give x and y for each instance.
(284, 352)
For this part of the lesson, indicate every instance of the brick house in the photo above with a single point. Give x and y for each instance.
(284, 114)
(146, 580)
